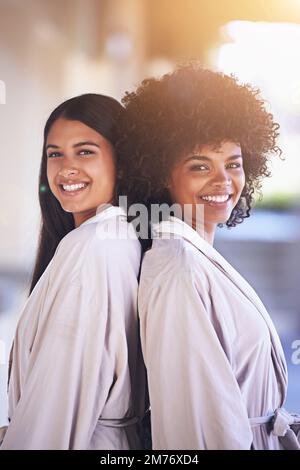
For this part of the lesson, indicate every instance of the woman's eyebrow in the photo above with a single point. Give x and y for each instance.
(79, 144)
(198, 157)
(207, 159)
(52, 146)
(87, 142)
(235, 157)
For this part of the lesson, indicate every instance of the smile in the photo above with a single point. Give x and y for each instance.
(73, 189)
(217, 199)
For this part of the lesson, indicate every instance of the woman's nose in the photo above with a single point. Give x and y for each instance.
(66, 172)
(222, 178)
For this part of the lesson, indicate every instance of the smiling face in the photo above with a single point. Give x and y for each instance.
(80, 168)
(210, 176)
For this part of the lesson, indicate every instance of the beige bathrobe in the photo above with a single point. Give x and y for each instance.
(77, 373)
(214, 360)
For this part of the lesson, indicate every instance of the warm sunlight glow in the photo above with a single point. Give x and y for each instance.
(267, 55)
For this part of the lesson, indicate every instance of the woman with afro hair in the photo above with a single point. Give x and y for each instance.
(198, 142)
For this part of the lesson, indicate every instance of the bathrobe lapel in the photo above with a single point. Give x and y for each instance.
(176, 228)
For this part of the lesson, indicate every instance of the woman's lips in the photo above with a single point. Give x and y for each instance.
(72, 192)
(216, 201)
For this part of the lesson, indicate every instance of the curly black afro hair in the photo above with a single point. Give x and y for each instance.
(191, 107)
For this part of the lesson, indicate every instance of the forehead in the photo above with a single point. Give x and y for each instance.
(225, 149)
(66, 130)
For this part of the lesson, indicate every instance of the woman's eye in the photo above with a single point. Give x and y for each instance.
(54, 154)
(86, 152)
(234, 165)
(199, 168)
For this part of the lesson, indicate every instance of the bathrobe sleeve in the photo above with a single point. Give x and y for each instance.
(195, 398)
(74, 357)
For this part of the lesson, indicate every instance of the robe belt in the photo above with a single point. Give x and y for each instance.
(282, 424)
(112, 423)
(118, 423)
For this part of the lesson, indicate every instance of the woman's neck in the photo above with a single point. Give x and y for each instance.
(81, 217)
(206, 231)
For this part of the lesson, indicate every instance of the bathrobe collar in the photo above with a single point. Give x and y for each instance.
(105, 212)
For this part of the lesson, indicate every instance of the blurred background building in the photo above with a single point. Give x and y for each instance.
(51, 50)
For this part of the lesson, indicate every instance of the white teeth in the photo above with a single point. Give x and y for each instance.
(73, 187)
(216, 198)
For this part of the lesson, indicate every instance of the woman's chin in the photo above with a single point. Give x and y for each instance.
(70, 208)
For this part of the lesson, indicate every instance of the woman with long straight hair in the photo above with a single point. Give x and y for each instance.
(76, 378)
(198, 142)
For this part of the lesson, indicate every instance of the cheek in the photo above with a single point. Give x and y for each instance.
(183, 188)
(191, 184)
(104, 173)
(243, 180)
(240, 181)
(51, 174)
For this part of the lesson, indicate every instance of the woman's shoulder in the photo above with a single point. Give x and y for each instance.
(174, 257)
(93, 244)
(106, 236)
(76, 241)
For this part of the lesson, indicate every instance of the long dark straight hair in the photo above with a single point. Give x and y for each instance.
(100, 113)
